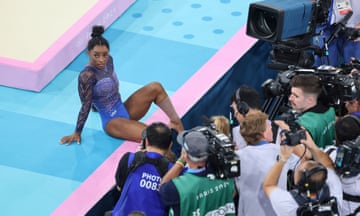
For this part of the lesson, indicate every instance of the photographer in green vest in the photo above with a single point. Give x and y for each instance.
(189, 187)
(315, 117)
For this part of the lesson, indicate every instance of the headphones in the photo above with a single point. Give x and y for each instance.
(354, 117)
(242, 106)
(354, 92)
(181, 141)
(181, 137)
(305, 183)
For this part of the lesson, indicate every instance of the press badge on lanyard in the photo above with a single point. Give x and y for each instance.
(343, 6)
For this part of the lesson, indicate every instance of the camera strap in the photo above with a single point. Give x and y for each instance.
(140, 158)
(357, 210)
(330, 150)
(352, 198)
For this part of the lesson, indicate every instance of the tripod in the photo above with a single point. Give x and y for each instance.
(272, 105)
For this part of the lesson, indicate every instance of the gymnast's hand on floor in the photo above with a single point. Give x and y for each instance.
(71, 138)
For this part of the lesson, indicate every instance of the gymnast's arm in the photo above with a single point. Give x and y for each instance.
(86, 81)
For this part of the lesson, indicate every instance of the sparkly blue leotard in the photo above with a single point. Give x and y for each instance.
(101, 89)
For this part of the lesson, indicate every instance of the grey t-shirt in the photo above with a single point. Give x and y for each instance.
(256, 162)
(285, 205)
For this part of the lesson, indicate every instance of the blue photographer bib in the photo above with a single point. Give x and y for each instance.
(141, 191)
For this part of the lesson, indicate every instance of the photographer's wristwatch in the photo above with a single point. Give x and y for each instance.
(279, 159)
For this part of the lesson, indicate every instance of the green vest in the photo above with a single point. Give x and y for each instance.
(320, 125)
(204, 196)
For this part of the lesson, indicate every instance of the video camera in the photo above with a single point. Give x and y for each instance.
(348, 68)
(347, 161)
(223, 162)
(276, 20)
(338, 86)
(324, 208)
(290, 26)
(296, 133)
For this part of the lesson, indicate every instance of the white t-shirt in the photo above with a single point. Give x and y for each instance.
(350, 186)
(256, 162)
(237, 138)
(285, 205)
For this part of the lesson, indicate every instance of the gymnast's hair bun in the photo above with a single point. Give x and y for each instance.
(97, 31)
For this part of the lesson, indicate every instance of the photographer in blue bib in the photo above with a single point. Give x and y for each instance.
(194, 189)
(138, 174)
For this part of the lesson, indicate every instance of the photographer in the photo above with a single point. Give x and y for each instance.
(138, 174)
(191, 191)
(346, 163)
(256, 160)
(353, 106)
(345, 34)
(316, 118)
(314, 180)
(222, 125)
(244, 100)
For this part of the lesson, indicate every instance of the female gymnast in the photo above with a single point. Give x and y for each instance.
(98, 87)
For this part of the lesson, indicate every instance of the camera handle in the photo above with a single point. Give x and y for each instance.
(340, 26)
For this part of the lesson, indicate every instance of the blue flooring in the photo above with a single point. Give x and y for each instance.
(154, 40)
(153, 58)
(32, 193)
(36, 149)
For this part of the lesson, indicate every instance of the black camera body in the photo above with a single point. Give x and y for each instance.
(223, 162)
(352, 33)
(296, 133)
(292, 138)
(327, 207)
(349, 67)
(337, 87)
(347, 161)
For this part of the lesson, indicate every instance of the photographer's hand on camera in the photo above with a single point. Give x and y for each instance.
(299, 149)
(316, 153)
(282, 125)
(309, 142)
(285, 152)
